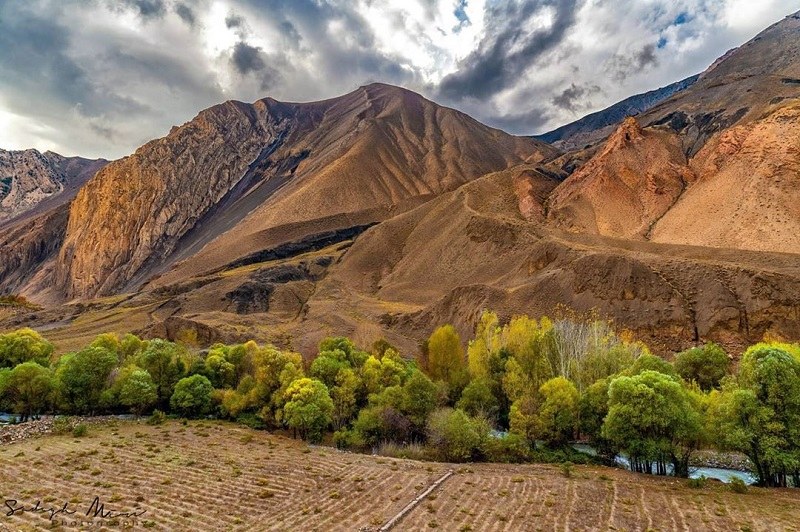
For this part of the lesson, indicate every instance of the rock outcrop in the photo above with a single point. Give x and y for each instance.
(626, 187)
(29, 178)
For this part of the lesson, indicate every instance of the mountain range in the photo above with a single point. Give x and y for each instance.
(383, 214)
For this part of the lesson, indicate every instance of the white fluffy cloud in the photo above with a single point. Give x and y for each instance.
(100, 77)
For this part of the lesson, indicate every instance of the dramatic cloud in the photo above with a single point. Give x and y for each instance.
(101, 77)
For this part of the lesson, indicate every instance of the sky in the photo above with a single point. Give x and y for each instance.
(99, 78)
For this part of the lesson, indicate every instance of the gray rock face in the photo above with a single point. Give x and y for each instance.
(28, 178)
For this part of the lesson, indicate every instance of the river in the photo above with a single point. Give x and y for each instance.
(721, 474)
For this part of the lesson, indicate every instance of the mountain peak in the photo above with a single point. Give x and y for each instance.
(627, 132)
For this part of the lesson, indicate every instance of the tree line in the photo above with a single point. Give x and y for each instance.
(518, 390)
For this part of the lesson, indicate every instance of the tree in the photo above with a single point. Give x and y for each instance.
(648, 362)
(522, 418)
(455, 435)
(558, 414)
(446, 359)
(308, 408)
(418, 399)
(389, 370)
(219, 371)
(162, 360)
(328, 364)
(82, 378)
(192, 396)
(593, 408)
(355, 357)
(345, 396)
(705, 365)
(478, 399)
(137, 390)
(652, 418)
(28, 388)
(24, 345)
(760, 414)
(482, 351)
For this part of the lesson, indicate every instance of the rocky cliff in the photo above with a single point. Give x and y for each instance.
(29, 178)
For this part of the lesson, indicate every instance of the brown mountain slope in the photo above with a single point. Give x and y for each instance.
(411, 274)
(626, 187)
(245, 177)
(748, 192)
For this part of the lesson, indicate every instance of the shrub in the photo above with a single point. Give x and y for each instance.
(412, 451)
(80, 430)
(737, 485)
(62, 425)
(511, 448)
(251, 421)
(157, 418)
(697, 483)
(567, 468)
(455, 435)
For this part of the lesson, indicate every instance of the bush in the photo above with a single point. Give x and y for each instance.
(510, 449)
(251, 421)
(80, 430)
(62, 425)
(737, 485)
(157, 418)
(456, 436)
(697, 483)
(411, 451)
(567, 468)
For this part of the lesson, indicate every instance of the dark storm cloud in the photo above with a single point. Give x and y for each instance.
(508, 49)
(621, 66)
(186, 13)
(574, 97)
(247, 58)
(234, 21)
(147, 8)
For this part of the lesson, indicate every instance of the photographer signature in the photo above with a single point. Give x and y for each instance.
(95, 510)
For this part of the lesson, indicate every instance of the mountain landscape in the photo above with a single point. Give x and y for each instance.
(382, 214)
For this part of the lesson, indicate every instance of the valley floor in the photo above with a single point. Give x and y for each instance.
(220, 476)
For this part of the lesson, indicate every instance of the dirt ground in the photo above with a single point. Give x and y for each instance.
(220, 476)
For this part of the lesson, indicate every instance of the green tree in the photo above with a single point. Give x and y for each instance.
(24, 345)
(389, 370)
(760, 414)
(455, 435)
(418, 400)
(308, 408)
(28, 388)
(593, 408)
(648, 362)
(446, 359)
(478, 398)
(653, 419)
(163, 361)
(706, 365)
(82, 378)
(558, 413)
(345, 395)
(192, 396)
(137, 390)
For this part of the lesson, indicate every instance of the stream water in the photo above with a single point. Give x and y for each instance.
(722, 474)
